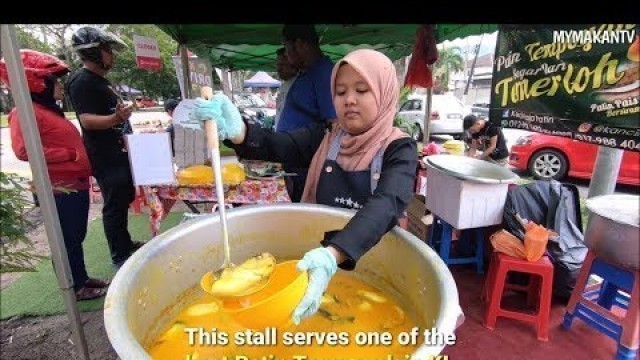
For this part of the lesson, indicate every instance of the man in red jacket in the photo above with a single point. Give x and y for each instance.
(67, 161)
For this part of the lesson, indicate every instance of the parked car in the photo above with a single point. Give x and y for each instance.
(446, 117)
(144, 102)
(480, 109)
(552, 157)
(253, 105)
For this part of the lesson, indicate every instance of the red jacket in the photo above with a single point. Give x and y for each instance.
(64, 151)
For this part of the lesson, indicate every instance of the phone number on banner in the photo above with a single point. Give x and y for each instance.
(606, 141)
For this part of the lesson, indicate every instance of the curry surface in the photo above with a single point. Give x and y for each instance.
(349, 306)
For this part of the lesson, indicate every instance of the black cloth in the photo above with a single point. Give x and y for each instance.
(381, 210)
(295, 184)
(91, 93)
(73, 213)
(45, 97)
(555, 206)
(484, 139)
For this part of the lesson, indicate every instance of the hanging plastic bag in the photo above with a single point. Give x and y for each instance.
(536, 238)
(506, 243)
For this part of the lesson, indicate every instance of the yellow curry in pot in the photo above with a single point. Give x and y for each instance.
(349, 306)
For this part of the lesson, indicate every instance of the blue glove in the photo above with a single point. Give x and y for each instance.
(321, 266)
(221, 109)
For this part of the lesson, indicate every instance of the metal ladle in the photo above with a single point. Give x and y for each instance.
(206, 282)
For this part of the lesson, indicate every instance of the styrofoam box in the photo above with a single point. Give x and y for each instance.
(462, 203)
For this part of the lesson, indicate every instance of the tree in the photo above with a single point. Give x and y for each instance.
(16, 249)
(27, 40)
(155, 84)
(449, 61)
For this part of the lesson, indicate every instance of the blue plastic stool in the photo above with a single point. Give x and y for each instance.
(440, 240)
(592, 303)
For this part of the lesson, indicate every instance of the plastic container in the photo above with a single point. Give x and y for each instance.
(465, 192)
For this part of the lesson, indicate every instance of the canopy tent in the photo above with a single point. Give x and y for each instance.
(262, 80)
(253, 46)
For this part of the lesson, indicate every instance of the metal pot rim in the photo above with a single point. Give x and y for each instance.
(619, 208)
(442, 162)
(118, 297)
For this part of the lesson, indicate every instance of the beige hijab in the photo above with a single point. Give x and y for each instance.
(357, 151)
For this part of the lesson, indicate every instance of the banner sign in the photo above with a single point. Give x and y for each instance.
(147, 53)
(200, 74)
(575, 81)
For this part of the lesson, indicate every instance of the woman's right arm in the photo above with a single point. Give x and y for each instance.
(295, 148)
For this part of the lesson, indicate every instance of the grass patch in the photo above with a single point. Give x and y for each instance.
(37, 293)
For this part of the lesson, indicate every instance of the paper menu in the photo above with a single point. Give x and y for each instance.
(150, 158)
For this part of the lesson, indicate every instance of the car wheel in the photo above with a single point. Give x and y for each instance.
(548, 165)
(418, 135)
(458, 136)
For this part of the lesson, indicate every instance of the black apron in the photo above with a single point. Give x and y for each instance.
(346, 189)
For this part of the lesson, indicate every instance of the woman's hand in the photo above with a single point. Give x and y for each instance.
(227, 117)
(321, 264)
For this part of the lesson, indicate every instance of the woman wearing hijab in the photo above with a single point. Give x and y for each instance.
(67, 162)
(360, 162)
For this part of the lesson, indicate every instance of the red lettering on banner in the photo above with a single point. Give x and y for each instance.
(149, 63)
(146, 46)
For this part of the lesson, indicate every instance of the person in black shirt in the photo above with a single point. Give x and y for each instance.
(361, 162)
(104, 120)
(487, 138)
(169, 107)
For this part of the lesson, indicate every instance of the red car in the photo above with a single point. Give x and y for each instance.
(553, 157)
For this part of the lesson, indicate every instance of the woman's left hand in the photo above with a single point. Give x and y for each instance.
(321, 264)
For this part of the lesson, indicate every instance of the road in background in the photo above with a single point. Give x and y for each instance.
(9, 163)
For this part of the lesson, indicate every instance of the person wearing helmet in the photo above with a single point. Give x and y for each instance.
(67, 162)
(105, 121)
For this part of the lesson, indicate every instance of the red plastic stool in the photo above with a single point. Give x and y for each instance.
(538, 291)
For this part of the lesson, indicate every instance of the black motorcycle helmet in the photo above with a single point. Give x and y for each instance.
(88, 41)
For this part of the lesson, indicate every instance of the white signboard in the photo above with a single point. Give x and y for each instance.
(147, 53)
(150, 158)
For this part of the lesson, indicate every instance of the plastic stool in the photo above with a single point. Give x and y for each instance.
(538, 291)
(593, 303)
(440, 239)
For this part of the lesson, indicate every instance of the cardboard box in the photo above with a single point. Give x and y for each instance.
(417, 217)
(464, 204)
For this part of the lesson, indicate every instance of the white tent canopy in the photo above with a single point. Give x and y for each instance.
(261, 80)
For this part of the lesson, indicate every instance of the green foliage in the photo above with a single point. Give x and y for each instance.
(449, 61)
(155, 84)
(27, 40)
(404, 95)
(16, 249)
(406, 126)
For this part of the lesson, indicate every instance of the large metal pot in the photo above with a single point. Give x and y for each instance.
(166, 271)
(613, 232)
